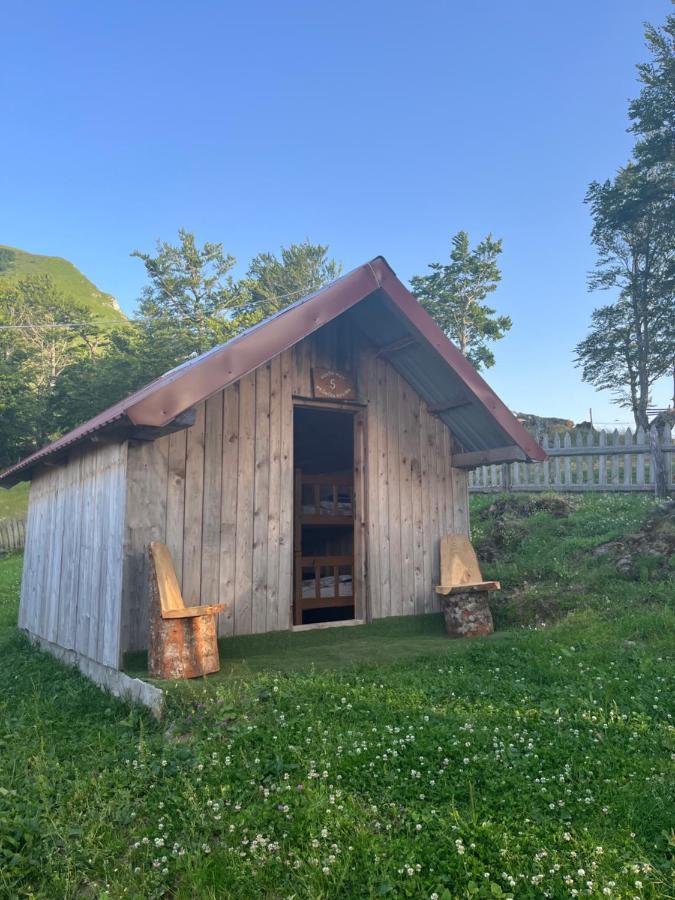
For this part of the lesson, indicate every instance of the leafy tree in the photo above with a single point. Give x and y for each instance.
(454, 293)
(653, 111)
(187, 307)
(52, 378)
(190, 305)
(609, 356)
(37, 343)
(634, 339)
(274, 282)
(632, 343)
(90, 384)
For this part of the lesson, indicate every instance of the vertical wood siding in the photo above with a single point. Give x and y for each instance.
(221, 494)
(71, 591)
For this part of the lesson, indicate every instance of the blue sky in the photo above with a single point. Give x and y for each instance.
(377, 128)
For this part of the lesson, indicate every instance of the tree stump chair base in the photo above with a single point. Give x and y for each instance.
(467, 614)
(183, 648)
(183, 639)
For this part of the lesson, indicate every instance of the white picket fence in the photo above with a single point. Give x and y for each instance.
(12, 534)
(584, 461)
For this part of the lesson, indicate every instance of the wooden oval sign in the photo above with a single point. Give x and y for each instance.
(333, 384)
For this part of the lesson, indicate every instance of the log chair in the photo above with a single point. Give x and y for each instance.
(464, 593)
(183, 639)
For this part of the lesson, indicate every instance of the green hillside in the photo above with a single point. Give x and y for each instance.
(15, 264)
(14, 502)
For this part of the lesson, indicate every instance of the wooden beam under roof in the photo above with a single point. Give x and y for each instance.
(510, 453)
(446, 407)
(400, 344)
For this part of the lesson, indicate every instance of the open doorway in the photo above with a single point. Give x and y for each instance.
(323, 441)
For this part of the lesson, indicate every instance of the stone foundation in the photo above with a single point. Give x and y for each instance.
(467, 614)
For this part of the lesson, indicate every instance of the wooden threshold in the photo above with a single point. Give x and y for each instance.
(342, 623)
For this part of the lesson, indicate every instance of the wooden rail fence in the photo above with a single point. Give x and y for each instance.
(12, 534)
(583, 460)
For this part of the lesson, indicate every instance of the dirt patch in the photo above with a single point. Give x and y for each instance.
(649, 552)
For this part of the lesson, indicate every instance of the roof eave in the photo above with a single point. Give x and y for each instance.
(163, 400)
(483, 393)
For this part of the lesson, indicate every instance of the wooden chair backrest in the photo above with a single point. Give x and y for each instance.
(459, 564)
(170, 596)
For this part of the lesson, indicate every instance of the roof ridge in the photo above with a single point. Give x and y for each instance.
(163, 399)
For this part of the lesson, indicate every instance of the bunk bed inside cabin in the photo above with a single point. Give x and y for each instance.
(323, 516)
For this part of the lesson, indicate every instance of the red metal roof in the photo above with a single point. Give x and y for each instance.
(159, 402)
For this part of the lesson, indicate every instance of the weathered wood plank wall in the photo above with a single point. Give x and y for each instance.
(221, 495)
(71, 590)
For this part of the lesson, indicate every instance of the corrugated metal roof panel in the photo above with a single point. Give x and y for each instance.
(385, 310)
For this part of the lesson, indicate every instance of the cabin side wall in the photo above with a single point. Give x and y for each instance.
(220, 494)
(71, 592)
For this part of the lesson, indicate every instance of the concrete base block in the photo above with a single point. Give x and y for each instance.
(133, 690)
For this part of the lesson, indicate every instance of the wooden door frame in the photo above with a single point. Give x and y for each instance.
(361, 587)
(359, 412)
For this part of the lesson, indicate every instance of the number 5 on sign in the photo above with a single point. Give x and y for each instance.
(333, 384)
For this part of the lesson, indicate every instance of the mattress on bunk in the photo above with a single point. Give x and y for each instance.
(344, 507)
(327, 587)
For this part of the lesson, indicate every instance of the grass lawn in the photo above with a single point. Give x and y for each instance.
(382, 643)
(14, 502)
(371, 762)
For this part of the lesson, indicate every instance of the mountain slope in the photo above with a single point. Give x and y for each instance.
(16, 264)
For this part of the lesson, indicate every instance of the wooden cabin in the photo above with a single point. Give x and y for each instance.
(302, 473)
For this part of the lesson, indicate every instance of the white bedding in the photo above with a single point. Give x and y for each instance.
(327, 587)
(344, 507)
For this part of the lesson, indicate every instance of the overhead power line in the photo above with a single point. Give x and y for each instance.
(29, 325)
(93, 324)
